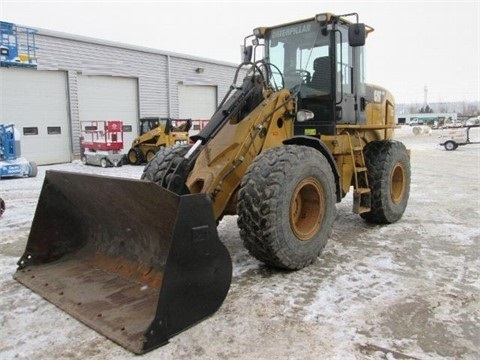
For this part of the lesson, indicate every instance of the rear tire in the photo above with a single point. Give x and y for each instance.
(286, 206)
(157, 169)
(33, 170)
(150, 155)
(388, 166)
(450, 146)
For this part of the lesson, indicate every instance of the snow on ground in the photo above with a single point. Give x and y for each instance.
(409, 290)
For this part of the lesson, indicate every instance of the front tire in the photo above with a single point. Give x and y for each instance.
(135, 156)
(286, 206)
(388, 166)
(158, 167)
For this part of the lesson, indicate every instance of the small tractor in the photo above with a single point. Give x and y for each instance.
(11, 164)
(155, 134)
(141, 260)
(101, 143)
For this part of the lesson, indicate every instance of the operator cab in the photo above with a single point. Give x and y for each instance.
(321, 61)
(149, 123)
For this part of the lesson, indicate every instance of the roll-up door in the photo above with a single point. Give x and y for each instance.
(197, 102)
(110, 98)
(37, 103)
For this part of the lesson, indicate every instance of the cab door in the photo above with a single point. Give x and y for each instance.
(346, 108)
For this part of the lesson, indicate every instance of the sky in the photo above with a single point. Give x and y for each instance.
(415, 45)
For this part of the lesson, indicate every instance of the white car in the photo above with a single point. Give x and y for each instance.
(473, 121)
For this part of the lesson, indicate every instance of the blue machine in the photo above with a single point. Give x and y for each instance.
(10, 164)
(17, 46)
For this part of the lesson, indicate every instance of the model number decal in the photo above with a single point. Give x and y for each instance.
(378, 95)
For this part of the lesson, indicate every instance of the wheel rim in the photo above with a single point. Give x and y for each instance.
(307, 209)
(132, 156)
(397, 183)
(150, 155)
(449, 146)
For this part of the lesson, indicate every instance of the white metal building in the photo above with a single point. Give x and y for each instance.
(79, 78)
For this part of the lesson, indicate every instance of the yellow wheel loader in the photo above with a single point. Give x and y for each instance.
(141, 260)
(156, 133)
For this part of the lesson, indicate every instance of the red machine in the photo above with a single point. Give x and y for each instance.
(101, 142)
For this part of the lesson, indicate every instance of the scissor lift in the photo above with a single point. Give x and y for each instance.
(17, 46)
(101, 143)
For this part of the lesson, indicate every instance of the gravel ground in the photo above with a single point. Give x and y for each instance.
(409, 290)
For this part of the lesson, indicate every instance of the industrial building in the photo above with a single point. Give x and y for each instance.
(51, 81)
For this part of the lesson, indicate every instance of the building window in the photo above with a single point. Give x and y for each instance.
(30, 130)
(127, 128)
(54, 130)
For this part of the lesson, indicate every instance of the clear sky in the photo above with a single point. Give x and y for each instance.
(415, 43)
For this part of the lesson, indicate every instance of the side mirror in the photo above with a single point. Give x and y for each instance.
(357, 35)
(247, 53)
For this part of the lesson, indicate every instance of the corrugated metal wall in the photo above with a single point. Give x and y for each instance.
(158, 73)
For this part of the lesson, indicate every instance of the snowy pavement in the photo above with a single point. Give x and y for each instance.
(409, 290)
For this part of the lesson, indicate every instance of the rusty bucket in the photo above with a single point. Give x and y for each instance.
(128, 258)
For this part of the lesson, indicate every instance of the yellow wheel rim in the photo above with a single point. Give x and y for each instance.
(397, 183)
(307, 208)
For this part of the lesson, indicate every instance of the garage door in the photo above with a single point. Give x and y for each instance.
(110, 98)
(197, 102)
(36, 102)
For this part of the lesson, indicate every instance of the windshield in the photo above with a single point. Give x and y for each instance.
(293, 49)
(148, 124)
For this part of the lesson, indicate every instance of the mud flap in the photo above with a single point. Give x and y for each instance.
(128, 258)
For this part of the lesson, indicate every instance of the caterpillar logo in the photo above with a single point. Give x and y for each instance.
(292, 30)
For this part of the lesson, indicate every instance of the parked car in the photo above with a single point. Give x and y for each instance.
(473, 121)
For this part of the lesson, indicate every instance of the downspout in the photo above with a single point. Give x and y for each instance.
(169, 99)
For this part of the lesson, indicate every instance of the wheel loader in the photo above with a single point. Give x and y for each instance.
(156, 133)
(141, 260)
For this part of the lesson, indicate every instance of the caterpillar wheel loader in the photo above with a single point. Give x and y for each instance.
(156, 133)
(297, 131)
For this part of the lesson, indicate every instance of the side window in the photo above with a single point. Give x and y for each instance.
(344, 66)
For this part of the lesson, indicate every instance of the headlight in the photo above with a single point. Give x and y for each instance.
(304, 115)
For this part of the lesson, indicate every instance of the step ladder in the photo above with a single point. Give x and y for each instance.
(362, 198)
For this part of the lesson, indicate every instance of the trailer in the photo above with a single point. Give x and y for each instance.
(101, 143)
(452, 138)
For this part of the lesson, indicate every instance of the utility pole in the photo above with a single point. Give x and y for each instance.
(425, 96)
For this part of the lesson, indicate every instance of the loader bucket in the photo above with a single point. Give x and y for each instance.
(128, 258)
